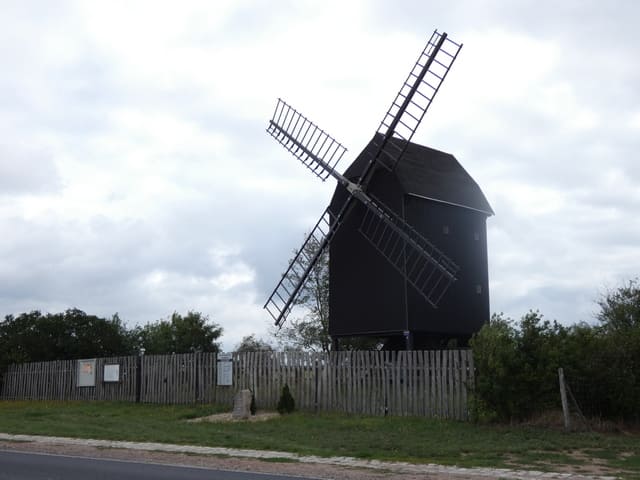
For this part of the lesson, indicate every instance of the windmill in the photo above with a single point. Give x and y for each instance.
(415, 259)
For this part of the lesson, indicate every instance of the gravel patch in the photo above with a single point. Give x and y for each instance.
(228, 417)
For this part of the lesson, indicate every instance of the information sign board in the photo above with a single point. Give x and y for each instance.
(87, 373)
(111, 373)
(225, 369)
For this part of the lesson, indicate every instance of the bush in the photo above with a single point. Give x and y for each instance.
(517, 363)
(286, 404)
(495, 356)
(517, 367)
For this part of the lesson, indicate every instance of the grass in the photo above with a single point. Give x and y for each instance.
(410, 439)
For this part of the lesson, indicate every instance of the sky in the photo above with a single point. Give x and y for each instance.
(136, 175)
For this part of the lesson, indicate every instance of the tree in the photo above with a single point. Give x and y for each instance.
(33, 337)
(250, 343)
(620, 308)
(191, 333)
(311, 332)
(619, 347)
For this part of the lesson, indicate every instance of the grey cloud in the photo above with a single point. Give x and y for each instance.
(554, 261)
(27, 170)
(567, 305)
(586, 19)
(101, 263)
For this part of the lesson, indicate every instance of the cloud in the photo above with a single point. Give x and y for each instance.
(25, 170)
(136, 176)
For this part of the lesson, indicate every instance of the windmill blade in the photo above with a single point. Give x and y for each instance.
(284, 296)
(425, 267)
(316, 149)
(414, 98)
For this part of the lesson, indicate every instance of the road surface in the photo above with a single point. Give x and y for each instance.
(39, 466)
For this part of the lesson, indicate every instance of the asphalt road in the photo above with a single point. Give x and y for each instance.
(38, 466)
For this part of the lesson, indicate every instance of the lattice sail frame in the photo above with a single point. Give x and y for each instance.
(315, 148)
(284, 296)
(421, 263)
(415, 96)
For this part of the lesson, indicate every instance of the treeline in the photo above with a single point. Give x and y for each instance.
(37, 336)
(517, 363)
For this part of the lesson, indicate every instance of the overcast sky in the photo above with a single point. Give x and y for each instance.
(136, 175)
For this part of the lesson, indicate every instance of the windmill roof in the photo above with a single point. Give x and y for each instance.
(430, 174)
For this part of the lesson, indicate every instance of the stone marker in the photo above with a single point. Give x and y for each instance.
(242, 405)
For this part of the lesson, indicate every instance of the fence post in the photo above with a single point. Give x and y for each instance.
(315, 365)
(139, 374)
(563, 398)
(196, 373)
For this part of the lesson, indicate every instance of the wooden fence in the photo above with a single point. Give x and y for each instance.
(424, 383)
(58, 381)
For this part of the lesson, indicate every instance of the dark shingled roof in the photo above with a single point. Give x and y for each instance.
(431, 174)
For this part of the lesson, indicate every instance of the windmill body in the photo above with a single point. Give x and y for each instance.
(433, 193)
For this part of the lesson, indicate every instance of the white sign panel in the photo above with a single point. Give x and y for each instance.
(87, 373)
(111, 373)
(225, 369)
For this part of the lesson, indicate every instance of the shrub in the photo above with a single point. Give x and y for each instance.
(286, 404)
(517, 364)
(517, 367)
(495, 356)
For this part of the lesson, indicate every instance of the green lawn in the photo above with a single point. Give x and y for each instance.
(392, 438)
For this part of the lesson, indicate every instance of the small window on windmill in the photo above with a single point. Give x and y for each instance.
(476, 236)
(478, 289)
(87, 373)
(445, 229)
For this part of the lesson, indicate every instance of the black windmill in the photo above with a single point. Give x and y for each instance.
(386, 278)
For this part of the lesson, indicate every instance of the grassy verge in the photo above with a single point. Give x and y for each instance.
(393, 438)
